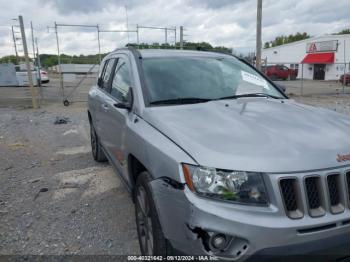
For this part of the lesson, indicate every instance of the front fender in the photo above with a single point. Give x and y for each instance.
(160, 156)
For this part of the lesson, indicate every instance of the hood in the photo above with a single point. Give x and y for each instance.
(256, 134)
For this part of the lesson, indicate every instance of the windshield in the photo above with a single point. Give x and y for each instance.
(202, 78)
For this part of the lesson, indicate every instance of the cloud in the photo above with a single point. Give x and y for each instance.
(222, 22)
(87, 6)
(215, 4)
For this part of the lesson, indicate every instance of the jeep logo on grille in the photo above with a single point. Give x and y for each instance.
(342, 158)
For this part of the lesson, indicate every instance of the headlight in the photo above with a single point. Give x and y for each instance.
(237, 186)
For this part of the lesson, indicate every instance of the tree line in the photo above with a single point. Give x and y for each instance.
(285, 39)
(48, 60)
(344, 32)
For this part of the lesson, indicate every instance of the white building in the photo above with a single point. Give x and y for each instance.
(322, 58)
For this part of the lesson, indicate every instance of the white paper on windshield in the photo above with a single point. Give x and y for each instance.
(254, 79)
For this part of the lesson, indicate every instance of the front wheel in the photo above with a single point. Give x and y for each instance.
(150, 234)
(274, 77)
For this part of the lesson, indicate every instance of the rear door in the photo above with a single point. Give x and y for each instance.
(100, 107)
(116, 118)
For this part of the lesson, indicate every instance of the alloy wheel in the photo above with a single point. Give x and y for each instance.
(144, 222)
(93, 141)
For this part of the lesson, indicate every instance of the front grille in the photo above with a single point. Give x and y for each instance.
(312, 191)
(322, 193)
(289, 194)
(333, 189)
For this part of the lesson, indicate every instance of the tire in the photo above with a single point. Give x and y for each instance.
(96, 149)
(150, 234)
(274, 77)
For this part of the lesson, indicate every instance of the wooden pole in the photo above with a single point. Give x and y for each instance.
(29, 71)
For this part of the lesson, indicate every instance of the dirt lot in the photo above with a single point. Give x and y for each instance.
(314, 87)
(54, 199)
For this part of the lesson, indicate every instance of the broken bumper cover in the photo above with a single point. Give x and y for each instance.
(188, 221)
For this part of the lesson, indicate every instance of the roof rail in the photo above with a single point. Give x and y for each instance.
(130, 45)
(134, 50)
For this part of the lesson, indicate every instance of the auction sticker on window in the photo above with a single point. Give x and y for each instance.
(254, 79)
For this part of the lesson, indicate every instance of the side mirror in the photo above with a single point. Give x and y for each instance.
(123, 105)
(99, 82)
(128, 104)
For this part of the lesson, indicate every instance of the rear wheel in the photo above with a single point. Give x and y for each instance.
(150, 234)
(96, 148)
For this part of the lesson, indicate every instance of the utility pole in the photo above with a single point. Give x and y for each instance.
(137, 34)
(29, 71)
(59, 61)
(32, 32)
(181, 37)
(34, 60)
(99, 43)
(127, 22)
(38, 62)
(344, 77)
(175, 38)
(166, 35)
(258, 34)
(14, 43)
(37, 53)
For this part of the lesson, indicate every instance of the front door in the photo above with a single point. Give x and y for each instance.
(319, 71)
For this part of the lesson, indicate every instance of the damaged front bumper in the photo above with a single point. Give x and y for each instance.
(189, 223)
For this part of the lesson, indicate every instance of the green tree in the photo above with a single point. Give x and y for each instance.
(48, 60)
(11, 59)
(285, 39)
(344, 32)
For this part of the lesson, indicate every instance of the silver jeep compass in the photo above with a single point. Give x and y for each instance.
(219, 161)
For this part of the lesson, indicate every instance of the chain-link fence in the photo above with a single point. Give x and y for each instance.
(72, 81)
(310, 79)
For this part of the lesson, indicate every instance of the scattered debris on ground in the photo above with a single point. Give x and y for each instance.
(54, 198)
(61, 120)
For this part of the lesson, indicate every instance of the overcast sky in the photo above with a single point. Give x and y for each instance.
(220, 22)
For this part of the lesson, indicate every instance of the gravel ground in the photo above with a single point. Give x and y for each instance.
(54, 199)
(338, 103)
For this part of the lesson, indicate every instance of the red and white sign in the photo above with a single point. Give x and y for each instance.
(324, 46)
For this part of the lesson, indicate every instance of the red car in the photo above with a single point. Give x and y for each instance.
(347, 78)
(275, 72)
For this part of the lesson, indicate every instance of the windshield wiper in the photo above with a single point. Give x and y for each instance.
(179, 101)
(249, 95)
